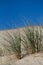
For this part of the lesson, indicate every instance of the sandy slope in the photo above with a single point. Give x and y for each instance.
(8, 60)
(36, 59)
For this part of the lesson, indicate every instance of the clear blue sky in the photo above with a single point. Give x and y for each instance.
(13, 12)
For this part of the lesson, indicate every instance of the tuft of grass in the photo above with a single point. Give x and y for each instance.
(34, 38)
(15, 43)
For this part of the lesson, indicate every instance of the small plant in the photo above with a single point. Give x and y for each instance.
(15, 43)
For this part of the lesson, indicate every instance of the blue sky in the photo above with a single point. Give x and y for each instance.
(13, 13)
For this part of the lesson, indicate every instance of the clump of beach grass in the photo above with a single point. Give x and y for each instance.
(34, 38)
(15, 43)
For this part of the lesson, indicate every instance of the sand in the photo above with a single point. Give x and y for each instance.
(33, 59)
